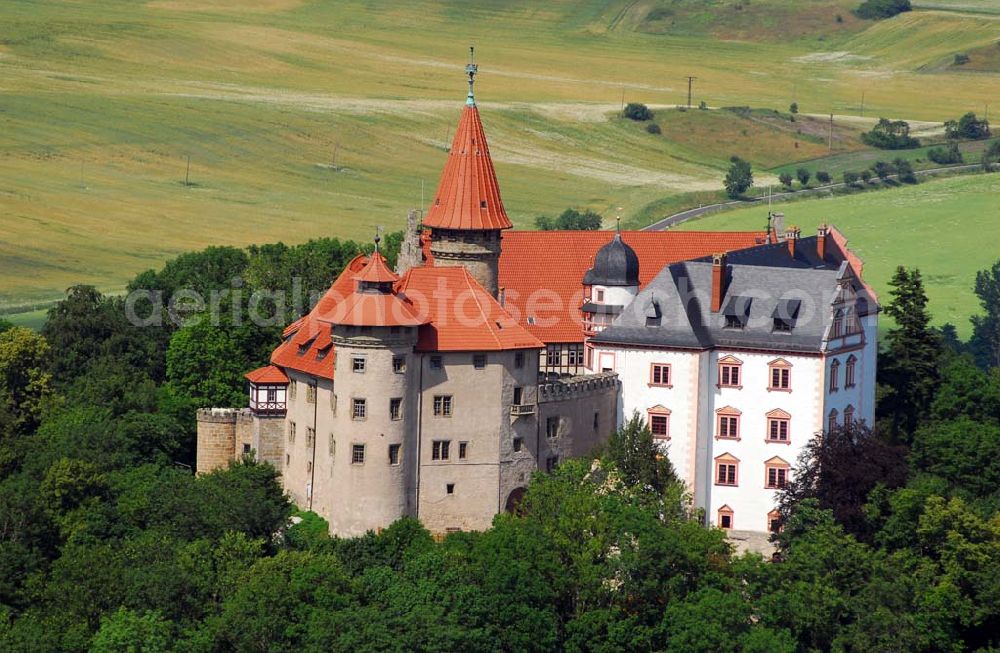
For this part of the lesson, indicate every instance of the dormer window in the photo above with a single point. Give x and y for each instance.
(599, 295)
(786, 312)
(482, 204)
(737, 312)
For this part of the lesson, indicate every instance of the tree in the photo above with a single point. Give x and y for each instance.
(803, 176)
(204, 362)
(866, 175)
(890, 135)
(839, 469)
(786, 179)
(25, 382)
(986, 328)
(793, 107)
(571, 220)
(967, 127)
(637, 111)
(639, 459)
(945, 156)
(883, 170)
(653, 128)
(739, 179)
(909, 367)
(878, 9)
(133, 632)
(823, 177)
(850, 177)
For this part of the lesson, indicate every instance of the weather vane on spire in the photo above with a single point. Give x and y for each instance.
(471, 70)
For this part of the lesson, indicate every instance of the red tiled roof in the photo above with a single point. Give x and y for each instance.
(306, 346)
(376, 271)
(463, 316)
(269, 374)
(372, 309)
(468, 196)
(541, 272)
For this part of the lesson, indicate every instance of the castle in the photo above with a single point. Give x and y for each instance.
(435, 390)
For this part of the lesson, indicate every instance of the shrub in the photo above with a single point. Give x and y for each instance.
(866, 175)
(823, 177)
(653, 128)
(570, 219)
(840, 18)
(878, 9)
(702, 105)
(890, 135)
(803, 176)
(636, 111)
(793, 107)
(945, 156)
(786, 179)
(991, 156)
(961, 59)
(850, 177)
(883, 169)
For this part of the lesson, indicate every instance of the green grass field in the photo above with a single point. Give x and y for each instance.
(946, 227)
(305, 118)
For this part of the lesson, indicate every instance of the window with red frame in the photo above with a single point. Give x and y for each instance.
(777, 475)
(659, 424)
(726, 471)
(778, 428)
(834, 376)
(728, 424)
(729, 372)
(849, 372)
(831, 423)
(659, 374)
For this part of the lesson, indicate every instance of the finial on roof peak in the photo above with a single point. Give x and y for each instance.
(471, 69)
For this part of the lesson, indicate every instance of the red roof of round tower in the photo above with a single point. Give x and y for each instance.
(377, 271)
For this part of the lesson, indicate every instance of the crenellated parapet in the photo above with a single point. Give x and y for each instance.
(577, 387)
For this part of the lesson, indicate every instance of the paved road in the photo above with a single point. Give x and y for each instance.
(684, 216)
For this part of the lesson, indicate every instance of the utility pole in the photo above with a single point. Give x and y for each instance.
(862, 104)
(831, 132)
(187, 172)
(336, 146)
(621, 113)
(690, 81)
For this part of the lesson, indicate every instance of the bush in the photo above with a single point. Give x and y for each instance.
(866, 175)
(793, 107)
(786, 179)
(850, 177)
(890, 135)
(968, 126)
(803, 176)
(961, 59)
(878, 9)
(739, 179)
(823, 177)
(883, 170)
(702, 105)
(639, 112)
(945, 156)
(653, 128)
(991, 156)
(905, 171)
(570, 219)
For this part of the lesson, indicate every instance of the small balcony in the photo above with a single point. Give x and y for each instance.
(268, 408)
(520, 410)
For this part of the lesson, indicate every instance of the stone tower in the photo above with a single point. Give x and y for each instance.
(467, 214)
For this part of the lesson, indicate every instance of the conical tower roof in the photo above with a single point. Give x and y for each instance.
(376, 271)
(468, 196)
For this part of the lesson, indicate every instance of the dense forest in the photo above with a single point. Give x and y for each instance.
(108, 542)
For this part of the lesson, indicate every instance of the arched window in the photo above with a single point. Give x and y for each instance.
(776, 473)
(658, 418)
(834, 375)
(779, 375)
(727, 469)
(779, 426)
(831, 421)
(849, 380)
(725, 517)
(727, 423)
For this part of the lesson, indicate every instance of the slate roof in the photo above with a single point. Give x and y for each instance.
(761, 280)
(615, 264)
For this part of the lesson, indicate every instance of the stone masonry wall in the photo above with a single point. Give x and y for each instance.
(216, 438)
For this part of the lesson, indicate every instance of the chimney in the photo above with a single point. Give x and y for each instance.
(821, 242)
(718, 281)
(778, 224)
(791, 236)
